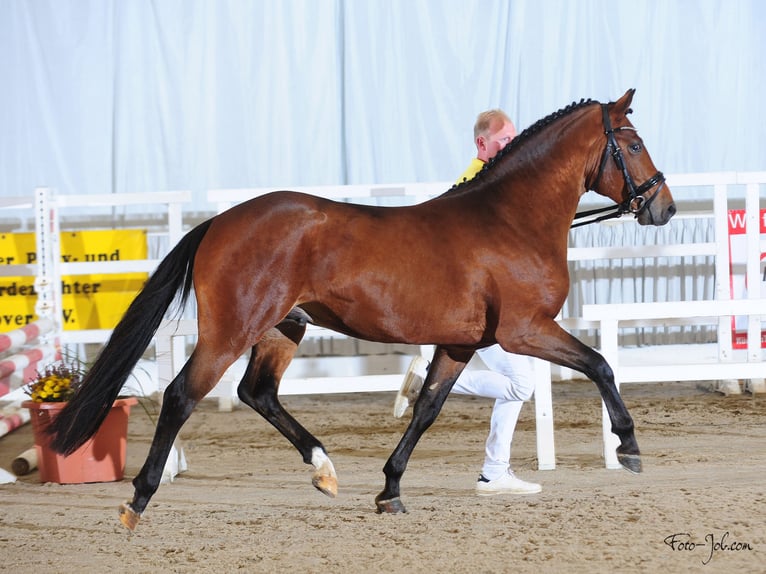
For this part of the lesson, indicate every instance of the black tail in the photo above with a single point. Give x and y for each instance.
(85, 412)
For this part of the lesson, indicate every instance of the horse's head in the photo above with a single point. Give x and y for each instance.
(624, 162)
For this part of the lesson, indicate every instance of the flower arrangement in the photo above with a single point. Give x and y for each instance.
(56, 384)
(102, 457)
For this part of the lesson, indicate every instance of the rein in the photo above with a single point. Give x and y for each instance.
(636, 202)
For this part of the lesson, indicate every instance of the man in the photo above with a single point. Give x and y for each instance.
(510, 381)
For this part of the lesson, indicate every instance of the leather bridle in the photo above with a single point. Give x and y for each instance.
(637, 201)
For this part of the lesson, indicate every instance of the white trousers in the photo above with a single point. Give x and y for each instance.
(510, 382)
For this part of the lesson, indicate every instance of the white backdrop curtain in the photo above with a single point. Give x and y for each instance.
(108, 96)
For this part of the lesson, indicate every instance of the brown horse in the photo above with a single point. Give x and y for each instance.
(484, 263)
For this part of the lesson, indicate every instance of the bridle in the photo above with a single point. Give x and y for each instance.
(637, 201)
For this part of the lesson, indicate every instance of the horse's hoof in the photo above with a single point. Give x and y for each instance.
(391, 506)
(630, 462)
(327, 485)
(128, 516)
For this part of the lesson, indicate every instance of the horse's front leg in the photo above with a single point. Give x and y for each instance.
(442, 374)
(558, 346)
(628, 453)
(258, 389)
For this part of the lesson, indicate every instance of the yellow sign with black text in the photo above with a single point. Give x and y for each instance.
(95, 301)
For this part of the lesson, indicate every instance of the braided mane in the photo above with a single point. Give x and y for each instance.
(529, 132)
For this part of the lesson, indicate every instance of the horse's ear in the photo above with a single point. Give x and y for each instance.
(623, 104)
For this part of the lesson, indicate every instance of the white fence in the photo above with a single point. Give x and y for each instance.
(48, 208)
(754, 368)
(693, 363)
(718, 189)
(688, 365)
(171, 203)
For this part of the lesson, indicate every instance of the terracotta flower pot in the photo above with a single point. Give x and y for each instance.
(101, 459)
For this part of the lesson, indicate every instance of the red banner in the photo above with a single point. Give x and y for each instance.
(737, 279)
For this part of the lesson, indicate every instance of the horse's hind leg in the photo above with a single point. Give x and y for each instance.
(258, 389)
(179, 400)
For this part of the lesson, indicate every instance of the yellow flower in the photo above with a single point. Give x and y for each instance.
(57, 383)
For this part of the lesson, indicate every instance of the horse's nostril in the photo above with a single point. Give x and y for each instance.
(671, 209)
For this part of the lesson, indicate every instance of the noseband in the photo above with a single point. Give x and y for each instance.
(637, 201)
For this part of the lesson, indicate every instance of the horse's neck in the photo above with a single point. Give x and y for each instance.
(544, 180)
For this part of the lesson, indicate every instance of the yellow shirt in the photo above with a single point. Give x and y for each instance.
(474, 167)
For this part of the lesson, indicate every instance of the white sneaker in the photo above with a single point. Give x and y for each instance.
(506, 484)
(411, 385)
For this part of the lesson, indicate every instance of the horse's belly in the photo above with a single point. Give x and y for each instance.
(415, 316)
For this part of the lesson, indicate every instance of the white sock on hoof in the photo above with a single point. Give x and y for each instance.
(322, 462)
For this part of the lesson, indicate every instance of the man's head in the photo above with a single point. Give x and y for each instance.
(492, 132)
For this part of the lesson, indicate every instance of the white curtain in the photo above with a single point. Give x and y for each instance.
(109, 96)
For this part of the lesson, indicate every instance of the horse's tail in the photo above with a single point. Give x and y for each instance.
(85, 412)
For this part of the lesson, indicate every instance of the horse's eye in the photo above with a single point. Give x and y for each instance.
(635, 147)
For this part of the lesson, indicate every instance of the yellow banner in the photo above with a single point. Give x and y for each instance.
(88, 301)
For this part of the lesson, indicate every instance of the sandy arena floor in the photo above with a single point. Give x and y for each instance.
(247, 504)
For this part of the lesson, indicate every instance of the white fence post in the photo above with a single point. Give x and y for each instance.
(48, 276)
(546, 452)
(609, 348)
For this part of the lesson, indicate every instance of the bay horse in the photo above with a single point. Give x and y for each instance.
(483, 263)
